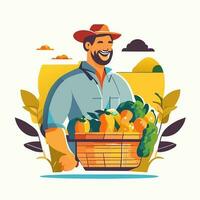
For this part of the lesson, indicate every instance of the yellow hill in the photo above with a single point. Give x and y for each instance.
(145, 66)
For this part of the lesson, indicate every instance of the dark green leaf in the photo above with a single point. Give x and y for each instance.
(34, 146)
(99, 112)
(26, 128)
(94, 125)
(71, 126)
(137, 98)
(174, 127)
(117, 126)
(146, 108)
(165, 146)
(93, 115)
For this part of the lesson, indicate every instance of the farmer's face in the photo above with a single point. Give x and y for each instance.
(101, 50)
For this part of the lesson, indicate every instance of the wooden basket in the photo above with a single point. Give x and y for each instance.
(108, 151)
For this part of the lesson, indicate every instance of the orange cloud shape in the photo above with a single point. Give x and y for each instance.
(61, 57)
(45, 47)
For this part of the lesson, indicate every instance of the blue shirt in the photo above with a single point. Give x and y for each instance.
(79, 92)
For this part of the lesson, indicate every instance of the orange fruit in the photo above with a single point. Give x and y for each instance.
(82, 126)
(115, 114)
(107, 123)
(140, 124)
(126, 115)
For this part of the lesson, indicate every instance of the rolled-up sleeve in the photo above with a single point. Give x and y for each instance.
(124, 89)
(57, 106)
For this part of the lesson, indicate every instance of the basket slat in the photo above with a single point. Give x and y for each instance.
(116, 151)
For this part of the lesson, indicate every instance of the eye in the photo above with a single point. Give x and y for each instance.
(100, 42)
(110, 42)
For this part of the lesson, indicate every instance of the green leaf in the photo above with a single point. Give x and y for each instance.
(107, 113)
(94, 125)
(82, 119)
(146, 108)
(137, 98)
(29, 99)
(100, 112)
(92, 115)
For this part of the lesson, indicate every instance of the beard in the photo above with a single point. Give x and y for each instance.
(98, 59)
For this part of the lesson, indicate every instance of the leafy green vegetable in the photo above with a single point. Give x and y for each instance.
(139, 110)
(127, 105)
(148, 140)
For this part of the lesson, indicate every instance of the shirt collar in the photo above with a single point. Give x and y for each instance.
(84, 65)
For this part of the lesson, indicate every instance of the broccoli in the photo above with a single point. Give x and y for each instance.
(139, 110)
(148, 140)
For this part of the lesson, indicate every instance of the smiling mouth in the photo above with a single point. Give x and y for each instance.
(104, 53)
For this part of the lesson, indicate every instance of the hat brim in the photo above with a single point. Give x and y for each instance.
(82, 34)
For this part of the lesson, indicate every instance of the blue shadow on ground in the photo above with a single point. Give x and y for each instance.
(99, 176)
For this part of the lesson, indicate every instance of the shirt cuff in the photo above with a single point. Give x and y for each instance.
(55, 125)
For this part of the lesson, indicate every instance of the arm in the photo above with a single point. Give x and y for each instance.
(56, 138)
(56, 112)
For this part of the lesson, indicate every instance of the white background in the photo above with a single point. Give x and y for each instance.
(170, 27)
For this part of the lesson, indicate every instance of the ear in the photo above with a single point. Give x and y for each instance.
(87, 46)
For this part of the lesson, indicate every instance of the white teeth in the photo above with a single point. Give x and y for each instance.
(104, 53)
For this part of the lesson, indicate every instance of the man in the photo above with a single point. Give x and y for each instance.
(90, 87)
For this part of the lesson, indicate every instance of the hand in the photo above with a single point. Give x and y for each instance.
(68, 162)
